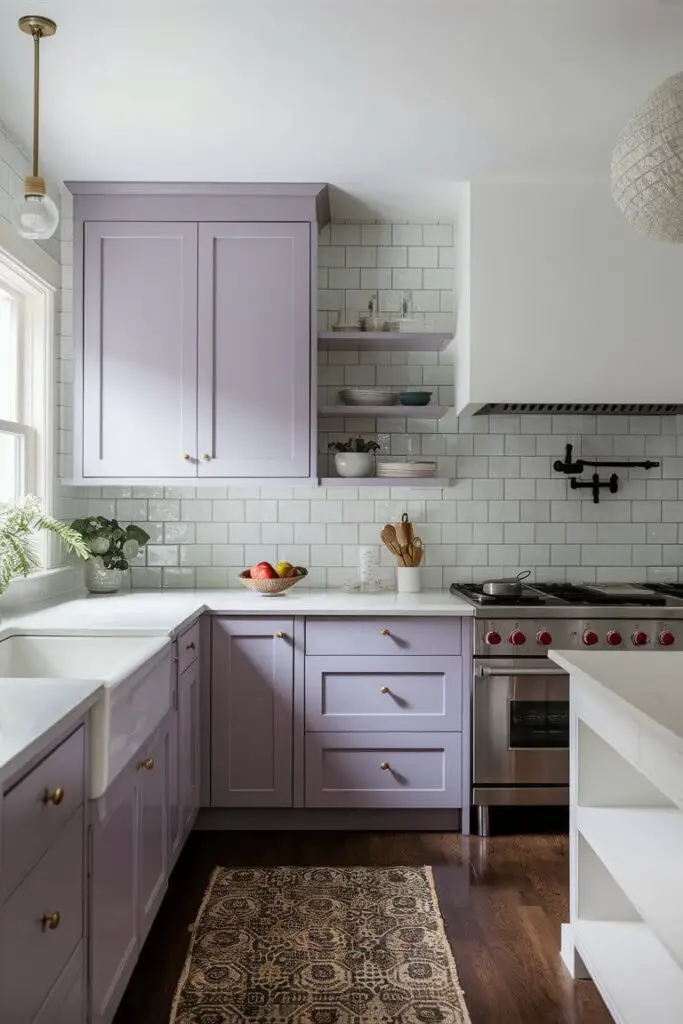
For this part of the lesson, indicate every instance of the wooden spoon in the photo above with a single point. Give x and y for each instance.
(388, 535)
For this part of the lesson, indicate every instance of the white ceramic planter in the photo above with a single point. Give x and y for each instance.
(99, 580)
(408, 579)
(355, 463)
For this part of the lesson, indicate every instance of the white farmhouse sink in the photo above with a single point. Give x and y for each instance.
(136, 674)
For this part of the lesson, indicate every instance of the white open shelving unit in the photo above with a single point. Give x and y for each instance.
(383, 341)
(412, 412)
(626, 835)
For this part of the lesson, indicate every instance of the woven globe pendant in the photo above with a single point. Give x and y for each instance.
(647, 164)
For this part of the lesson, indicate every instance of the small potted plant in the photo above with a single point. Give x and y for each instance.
(355, 457)
(111, 547)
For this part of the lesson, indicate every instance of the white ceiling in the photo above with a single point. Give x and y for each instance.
(392, 101)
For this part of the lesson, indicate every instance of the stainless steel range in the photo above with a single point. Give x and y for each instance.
(520, 704)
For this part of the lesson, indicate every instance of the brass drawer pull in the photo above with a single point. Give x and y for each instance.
(53, 796)
(190, 646)
(384, 689)
(280, 635)
(186, 456)
(51, 921)
(384, 632)
(147, 765)
(385, 766)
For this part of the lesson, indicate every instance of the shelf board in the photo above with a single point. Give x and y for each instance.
(383, 341)
(386, 481)
(641, 849)
(411, 412)
(634, 974)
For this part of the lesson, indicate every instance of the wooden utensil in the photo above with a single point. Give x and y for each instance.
(404, 531)
(415, 551)
(388, 535)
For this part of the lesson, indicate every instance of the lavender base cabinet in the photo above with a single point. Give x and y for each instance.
(188, 747)
(128, 870)
(252, 692)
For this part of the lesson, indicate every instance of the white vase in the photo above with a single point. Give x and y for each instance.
(354, 463)
(408, 579)
(100, 580)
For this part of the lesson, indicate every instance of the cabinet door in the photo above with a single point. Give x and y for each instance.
(254, 350)
(139, 350)
(175, 827)
(188, 746)
(153, 837)
(114, 938)
(252, 684)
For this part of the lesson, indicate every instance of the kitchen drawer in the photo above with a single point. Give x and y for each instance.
(345, 770)
(188, 647)
(30, 819)
(377, 694)
(32, 955)
(383, 636)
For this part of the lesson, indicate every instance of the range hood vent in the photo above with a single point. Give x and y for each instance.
(601, 408)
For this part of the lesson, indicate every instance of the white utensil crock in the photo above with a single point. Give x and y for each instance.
(408, 579)
(354, 463)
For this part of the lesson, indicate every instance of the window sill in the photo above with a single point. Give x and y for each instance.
(42, 585)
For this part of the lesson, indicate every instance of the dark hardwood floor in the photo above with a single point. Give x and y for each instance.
(502, 898)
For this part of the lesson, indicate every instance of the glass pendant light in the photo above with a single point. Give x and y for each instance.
(34, 214)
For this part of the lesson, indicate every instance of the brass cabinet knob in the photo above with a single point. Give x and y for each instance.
(280, 635)
(190, 646)
(385, 766)
(53, 796)
(51, 921)
(384, 689)
(206, 457)
(146, 765)
(186, 456)
(384, 632)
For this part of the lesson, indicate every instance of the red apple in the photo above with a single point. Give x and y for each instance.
(263, 571)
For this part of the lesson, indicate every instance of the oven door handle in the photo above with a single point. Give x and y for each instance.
(487, 670)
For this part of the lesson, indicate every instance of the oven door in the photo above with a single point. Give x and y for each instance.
(520, 723)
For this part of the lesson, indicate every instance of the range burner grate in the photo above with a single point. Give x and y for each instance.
(475, 592)
(573, 593)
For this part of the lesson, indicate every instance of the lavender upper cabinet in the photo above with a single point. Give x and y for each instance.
(254, 350)
(139, 373)
(252, 689)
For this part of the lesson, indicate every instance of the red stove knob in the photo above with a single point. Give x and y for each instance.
(639, 639)
(492, 638)
(543, 638)
(666, 639)
(613, 638)
(517, 638)
(590, 638)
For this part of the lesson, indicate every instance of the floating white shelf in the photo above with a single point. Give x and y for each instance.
(386, 481)
(411, 412)
(647, 866)
(383, 341)
(637, 978)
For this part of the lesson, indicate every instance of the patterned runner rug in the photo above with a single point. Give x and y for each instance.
(320, 946)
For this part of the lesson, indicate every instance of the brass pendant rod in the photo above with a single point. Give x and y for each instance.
(36, 95)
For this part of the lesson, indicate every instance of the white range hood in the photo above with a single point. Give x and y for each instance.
(562, 306)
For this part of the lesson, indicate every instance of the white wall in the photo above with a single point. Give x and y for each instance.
(506, 508)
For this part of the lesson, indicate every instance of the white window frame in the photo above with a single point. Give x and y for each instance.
(35, 423)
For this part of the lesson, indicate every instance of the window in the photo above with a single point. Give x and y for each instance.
(26, 310)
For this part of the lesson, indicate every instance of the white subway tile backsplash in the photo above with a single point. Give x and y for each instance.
(392, 256)
(361, 256)
(345, 234)
(423, 256)
(407, 234)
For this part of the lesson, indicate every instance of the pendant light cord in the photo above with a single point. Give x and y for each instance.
(36, 91)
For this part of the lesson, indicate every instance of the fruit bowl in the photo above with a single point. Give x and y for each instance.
(270, 588)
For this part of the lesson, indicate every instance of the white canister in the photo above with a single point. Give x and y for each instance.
(366, 563)
(408, 579)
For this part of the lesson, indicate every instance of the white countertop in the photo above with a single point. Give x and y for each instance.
(650, 684)
(34, 712)
(165, 611)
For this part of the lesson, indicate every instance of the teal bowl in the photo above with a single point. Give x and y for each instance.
(415, 397)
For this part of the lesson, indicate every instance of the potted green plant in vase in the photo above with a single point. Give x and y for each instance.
(111, 548)
(355, 457)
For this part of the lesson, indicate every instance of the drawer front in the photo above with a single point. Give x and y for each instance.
(383, 636)
(377, 694)
(422, 770)
(32, 955)
(188, 647)
(34, 811)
